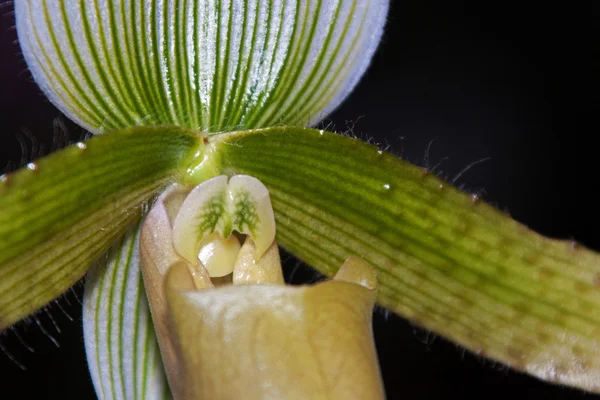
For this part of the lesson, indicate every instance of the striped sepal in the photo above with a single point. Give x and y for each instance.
(120, 343)
(445, 260)
(62, 213)
(211, 65)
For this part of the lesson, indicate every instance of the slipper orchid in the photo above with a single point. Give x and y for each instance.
(186, 91)
(251, 338)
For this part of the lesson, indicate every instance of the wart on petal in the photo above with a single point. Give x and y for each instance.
(209, 66)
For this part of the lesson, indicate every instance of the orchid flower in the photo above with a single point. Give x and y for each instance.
(180, 92)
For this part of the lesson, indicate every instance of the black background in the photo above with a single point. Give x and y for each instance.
(461, 82)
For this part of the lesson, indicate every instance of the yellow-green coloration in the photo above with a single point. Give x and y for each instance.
(446, 261)
(257, 341)
(203, 168)
(451, 264)
(245, 217)
(219, 206)
(213, 212)
(58, 218)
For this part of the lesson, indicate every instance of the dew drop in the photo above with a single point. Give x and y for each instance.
(386, 186)
(4, 178)
(380, 152)
(81, 145)
(32, 166)
(321, 132)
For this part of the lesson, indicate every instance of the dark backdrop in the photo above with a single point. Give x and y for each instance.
(458, 83)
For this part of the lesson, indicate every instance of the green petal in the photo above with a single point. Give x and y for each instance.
(59, 215)
(446, 260)
(121, 346)
(207, 65)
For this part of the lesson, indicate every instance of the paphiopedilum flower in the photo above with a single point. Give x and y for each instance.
(256, 338)
(191, 90)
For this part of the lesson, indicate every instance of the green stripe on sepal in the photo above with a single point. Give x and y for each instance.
(60, 214)
(446, 260)
(121, 346)
(213, 66)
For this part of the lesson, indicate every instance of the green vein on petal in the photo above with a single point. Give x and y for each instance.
(121, 346)
(60, 214)
(446, 260)
(211, 66)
